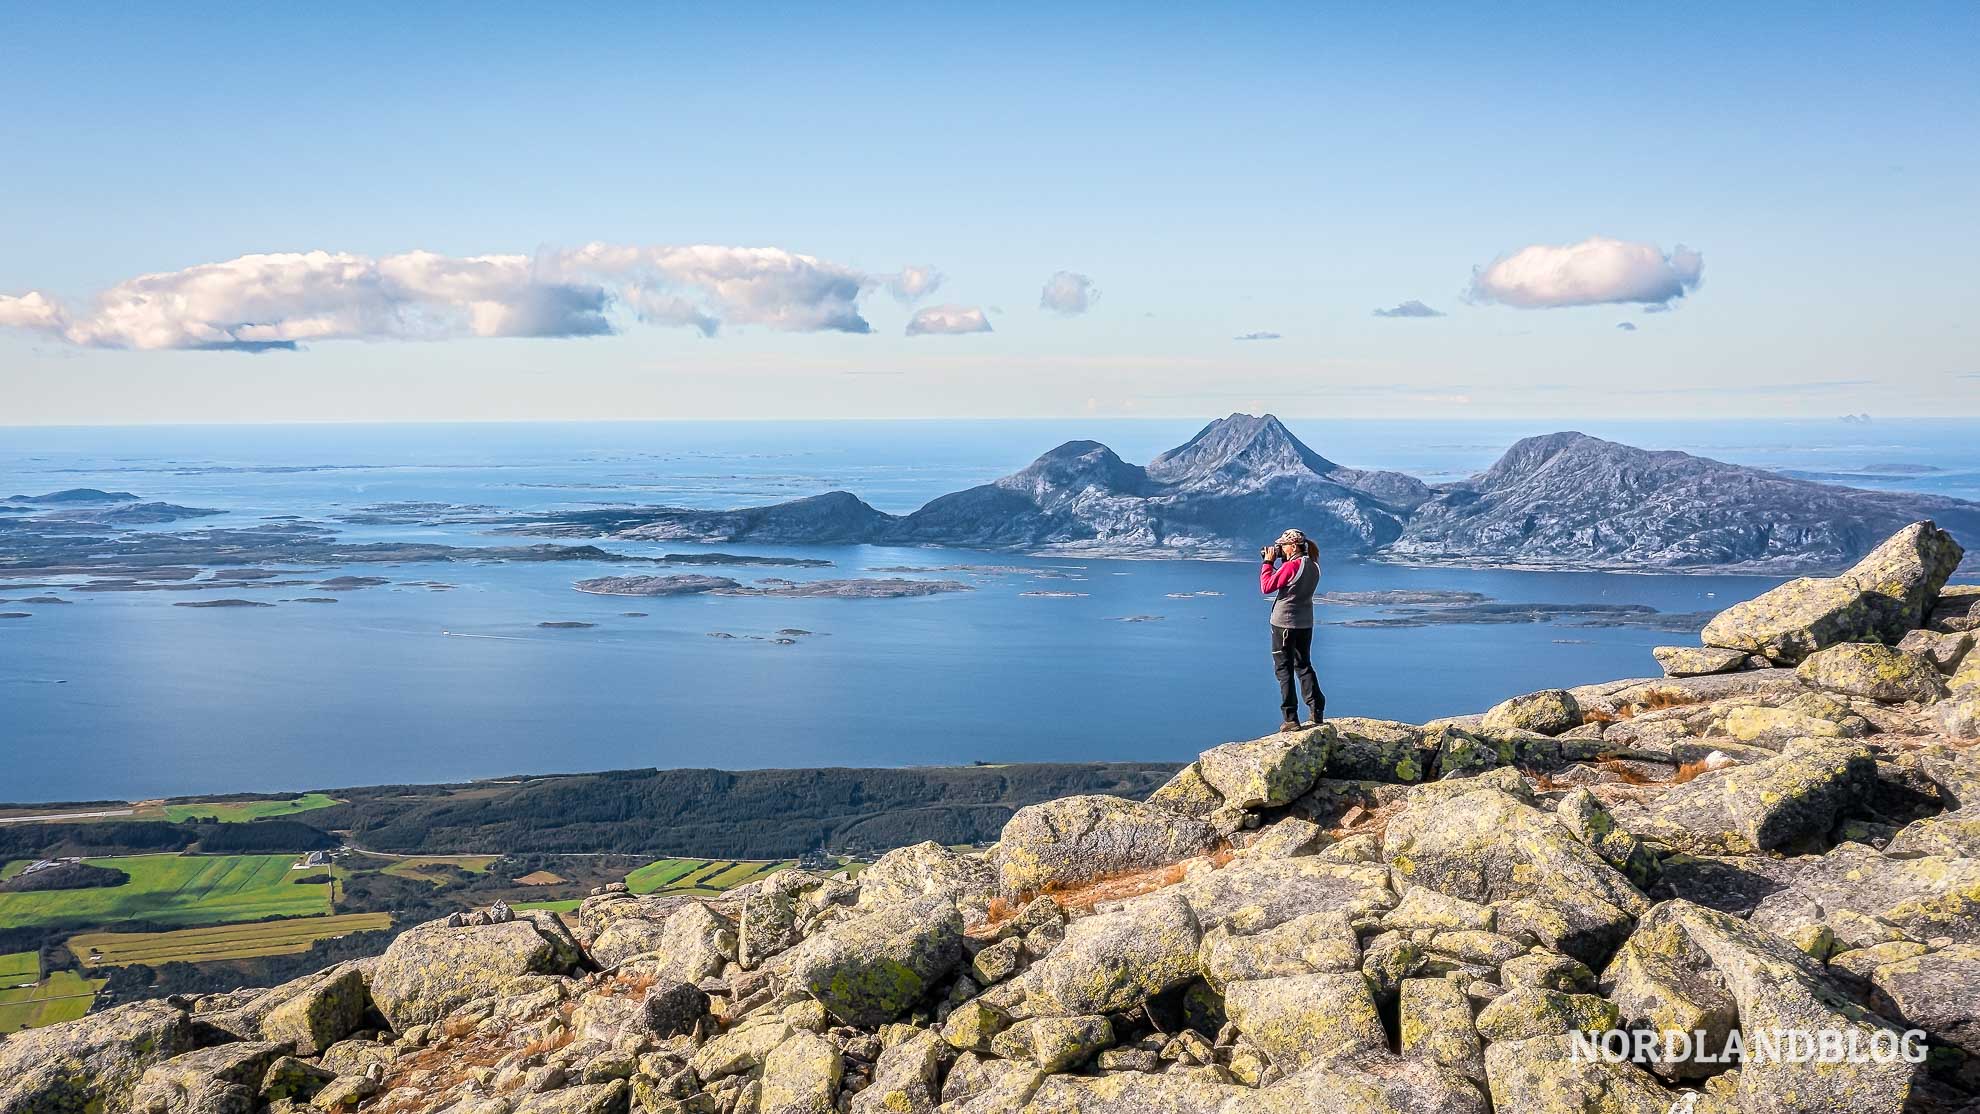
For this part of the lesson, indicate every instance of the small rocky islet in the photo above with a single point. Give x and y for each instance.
(1781, 832)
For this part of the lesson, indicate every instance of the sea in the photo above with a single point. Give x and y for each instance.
(121, 695)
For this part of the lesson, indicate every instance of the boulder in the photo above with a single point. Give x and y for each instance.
(1187, 794)
(1377, 750)
(1927, 896)
(1422, 908)
(1489, 847)
(1959, 714)
(93, 1063)
(1436, 1025)
(772, 913)
(1267, 772)
(432, 968)
(1112, 962)
(1876, 672)
(1772, 728)
(741, 1049)
(1939, 993)
(1956, 609)
(1761, 806)
(903, 1078)
(1305, 945)
(1545, 1075)
(1075, 840)
(586, 1098)
(220, 1080)
(1250, 895)
(1954, 834)
(1685, 960)
(669, 1007)
(1372, 1084)
(1129, 1093)
(1548, 712)
(1697, 661)
(870, 969)
(928, 869)
(1055, 1044)
(1944, 651)
(1593, 824)
(307, 1015)
(1307, 1019)
(1525, 1012)
(1879, 599)
(801, 1076)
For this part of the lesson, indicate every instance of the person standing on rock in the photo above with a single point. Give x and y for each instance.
(1290, 574)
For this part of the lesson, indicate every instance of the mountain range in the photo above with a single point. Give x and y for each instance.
(1561, 500)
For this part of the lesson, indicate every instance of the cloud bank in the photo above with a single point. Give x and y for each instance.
(259, 302)
(1411, 308)
(1068, 292)
(1596, 271)
(947, 321)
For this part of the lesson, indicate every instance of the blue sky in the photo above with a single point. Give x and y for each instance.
(1212, 172)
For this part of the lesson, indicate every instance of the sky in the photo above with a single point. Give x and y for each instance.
(500, 212)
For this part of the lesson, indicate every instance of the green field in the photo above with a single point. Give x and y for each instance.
(18, 967)
(64, 997)
(699, 876)
(241, 811)
(175, 889)
(436, 868)
(205, 945)
(568, 905)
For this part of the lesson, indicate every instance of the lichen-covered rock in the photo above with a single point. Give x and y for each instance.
(1251, 895)
(1303, 945)
(1547, 971)
(1307, 1019)
(432, 968)
(1759, 806)
(1876, 672)
(1959, 714)
(1377, 750)
(1944, 650)
(1267, 772)
(870, 969)
(928, 869)
(1489, 847)
(1549, 712)
(801, 1076)
(1425, 908)
(585, 1098)
(1133, 1093)
(1957, 609)
(741, 1049)
(1525, 1012)
(669, 1007)
(1074, 840)
(1686, 961)
(1939, 993)
(771, 913)
(1113, 962)
(1954, 834)
(1436, 1024)
(220, 1080)
(1927, 896)
(1697, 661)
(903, 1078)
(1373, 1084)
(1187, 794)
(1544, 1075)
(308, 1014)
(1594, 825)
(1055, 1044)
(1879, 599)
(1285, 838)
(94, 1063)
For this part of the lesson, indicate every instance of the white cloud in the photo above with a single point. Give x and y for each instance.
(915, 282)
(947, 320)
(1069, 293)
(1411, 308)
(1256, 336)
(1596, 271)
(1626, 326)
(258, 302)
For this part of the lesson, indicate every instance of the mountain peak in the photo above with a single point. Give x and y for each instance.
(1242, 445)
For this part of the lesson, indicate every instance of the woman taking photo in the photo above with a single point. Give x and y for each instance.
(1290, 574)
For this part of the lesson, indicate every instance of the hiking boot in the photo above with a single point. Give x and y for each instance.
(1289, 725)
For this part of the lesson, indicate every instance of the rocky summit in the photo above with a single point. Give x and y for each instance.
(1780, 835)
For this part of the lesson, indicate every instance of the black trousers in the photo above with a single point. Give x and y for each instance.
(1292, 656)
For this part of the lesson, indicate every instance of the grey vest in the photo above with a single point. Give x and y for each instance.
(1293, 606)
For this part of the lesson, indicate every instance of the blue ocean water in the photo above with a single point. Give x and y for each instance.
(123, 695)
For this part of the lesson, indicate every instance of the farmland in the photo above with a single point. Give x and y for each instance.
(699, 876)
(242, 811)
(65, 996)
(438, 868)
(205, 945)
(175, 889)
(17, 968)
